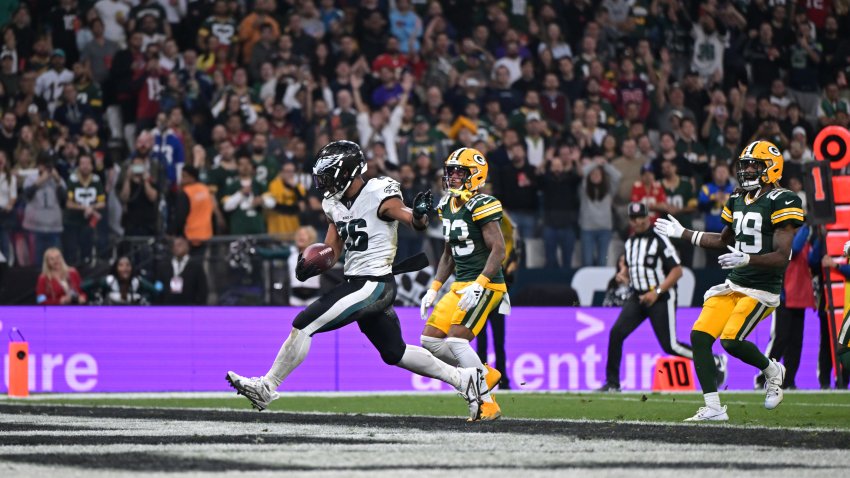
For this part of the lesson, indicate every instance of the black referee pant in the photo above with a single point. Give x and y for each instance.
(662, 316)
(786, 342)
(496, 323)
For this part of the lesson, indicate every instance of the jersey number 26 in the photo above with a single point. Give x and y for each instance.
(355, 239)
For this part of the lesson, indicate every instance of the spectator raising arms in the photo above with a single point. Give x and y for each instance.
(43, 212)
(560, 185)
(596, 215)
(244, 201)
(139, 195)
(288, 195)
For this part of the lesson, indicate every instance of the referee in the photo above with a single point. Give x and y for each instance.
(653, 270)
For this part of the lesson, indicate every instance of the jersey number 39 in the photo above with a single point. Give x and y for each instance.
(748, 231)
(460, 231)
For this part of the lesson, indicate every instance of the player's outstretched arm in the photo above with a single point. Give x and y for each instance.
(671, 228)
(710, 240)
(394, 208)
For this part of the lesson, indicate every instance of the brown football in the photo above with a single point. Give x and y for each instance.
(319, 255)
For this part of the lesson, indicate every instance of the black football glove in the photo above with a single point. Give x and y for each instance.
(304, 271)
(422, 204)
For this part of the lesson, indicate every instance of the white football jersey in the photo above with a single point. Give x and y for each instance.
(369, 242)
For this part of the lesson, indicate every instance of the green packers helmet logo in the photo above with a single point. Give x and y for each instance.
(479, 159)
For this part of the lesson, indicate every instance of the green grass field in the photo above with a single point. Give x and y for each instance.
(800, 409)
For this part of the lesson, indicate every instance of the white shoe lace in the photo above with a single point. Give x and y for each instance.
(258, 386)
(772, 386)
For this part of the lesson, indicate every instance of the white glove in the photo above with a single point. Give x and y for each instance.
(469, 296)
(847, 249)
(734, 259)
(670, 228)
(427, 300)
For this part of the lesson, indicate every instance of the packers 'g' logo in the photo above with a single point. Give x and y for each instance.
(479, 159)
(773, 150)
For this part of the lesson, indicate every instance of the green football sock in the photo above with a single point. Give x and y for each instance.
(746, 352)
(701, 343)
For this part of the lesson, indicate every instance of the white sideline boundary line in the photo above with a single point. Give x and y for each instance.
(566, 394)
(729, 426)
(228, 393)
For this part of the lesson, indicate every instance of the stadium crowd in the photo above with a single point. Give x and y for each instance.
(136, 118)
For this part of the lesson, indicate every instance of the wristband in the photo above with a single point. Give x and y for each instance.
(483, 280)
(696, 237)
(435, 285)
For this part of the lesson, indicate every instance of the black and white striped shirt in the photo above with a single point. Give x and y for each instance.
(650, 258)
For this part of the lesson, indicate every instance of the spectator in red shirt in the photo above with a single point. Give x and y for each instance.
(150, 90)
(554, 104)
(650, 192)
(631, 88)
(392, 58)
(58, 284)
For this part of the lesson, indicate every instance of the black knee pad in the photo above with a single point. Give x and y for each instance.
(730, 345)
(303, 319)
(700, 338)
(391, 354)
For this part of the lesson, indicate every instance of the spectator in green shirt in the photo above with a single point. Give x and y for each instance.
(86, 199)
(245, 199)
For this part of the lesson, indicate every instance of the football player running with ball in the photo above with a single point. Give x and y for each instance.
(363, 219)
(474, 251)
(760, 220)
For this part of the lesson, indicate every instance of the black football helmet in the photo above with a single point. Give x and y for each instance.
(337, 164)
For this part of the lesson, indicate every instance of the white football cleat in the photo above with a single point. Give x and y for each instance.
(255, 389)
(773, 387)
(709, 414)
(472, 386)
